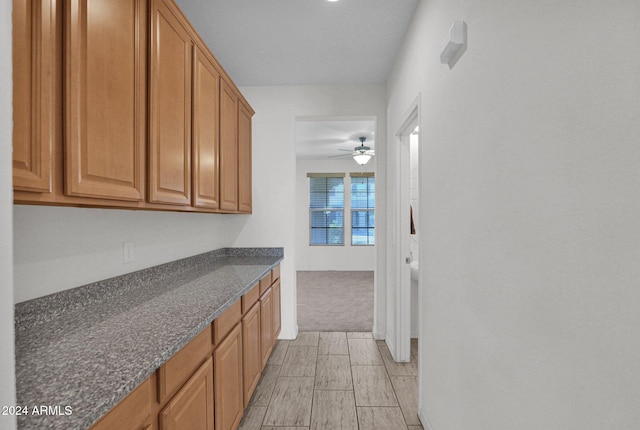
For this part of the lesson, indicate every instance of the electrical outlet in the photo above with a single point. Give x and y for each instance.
(127, 252)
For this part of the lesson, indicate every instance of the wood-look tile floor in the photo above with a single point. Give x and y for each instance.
(335, 381)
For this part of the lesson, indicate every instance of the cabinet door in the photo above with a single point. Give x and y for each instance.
(132, 413)
(170, 105)
(276, 310)
(34, 89)
(228, 148)
(206, 98)
(244, 159)
(251, 357)
(105, 98)
(266, 325)
(192, 407)
(227, 359)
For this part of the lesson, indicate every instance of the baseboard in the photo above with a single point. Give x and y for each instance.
(289, 335)
(390, 344)
(422, 416)
(377, 334)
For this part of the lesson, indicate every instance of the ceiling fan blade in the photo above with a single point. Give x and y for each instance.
(338, 156)
(345, 150)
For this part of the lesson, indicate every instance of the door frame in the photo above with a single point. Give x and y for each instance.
(399, 287)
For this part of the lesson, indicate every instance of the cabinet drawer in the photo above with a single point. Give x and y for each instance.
(275, 273)
(132, 413)
(225, 322)
(250, 297)
(181, 366)
(192, 406)
(265, 283)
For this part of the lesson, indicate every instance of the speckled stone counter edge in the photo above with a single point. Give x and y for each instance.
(43, 309)
(31, 314)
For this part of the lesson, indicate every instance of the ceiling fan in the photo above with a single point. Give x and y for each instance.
(361, 154)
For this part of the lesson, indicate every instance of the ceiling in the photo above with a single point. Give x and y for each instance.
(302, 42)
(321, 138)
(307, 42)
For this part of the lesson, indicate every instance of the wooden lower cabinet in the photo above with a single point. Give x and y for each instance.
(192, 407)
(228, 391)
(251, 356)
(200, 390)
(276, 310)
(266, 325)
(133, 413)
(177, 370)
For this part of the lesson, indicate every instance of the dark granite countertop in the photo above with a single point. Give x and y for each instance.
(88, 347)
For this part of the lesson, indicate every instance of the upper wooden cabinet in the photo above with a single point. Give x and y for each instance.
(170, 103)
(105, 98)
(34, 93)
(206, 99)
(244, 158)
(228, 148)
(119, 103)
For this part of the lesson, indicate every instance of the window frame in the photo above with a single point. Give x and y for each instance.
(326, 209)
(367, 209)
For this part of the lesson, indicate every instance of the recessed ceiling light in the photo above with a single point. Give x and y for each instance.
(332, 1)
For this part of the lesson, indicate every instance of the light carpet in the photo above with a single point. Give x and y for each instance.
(335, 301)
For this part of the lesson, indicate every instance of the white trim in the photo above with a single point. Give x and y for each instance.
(377, 335)
(289, 335)
(401, 338)
(422, 416)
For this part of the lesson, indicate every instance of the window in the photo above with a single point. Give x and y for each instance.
(363, 198)
(326, 209)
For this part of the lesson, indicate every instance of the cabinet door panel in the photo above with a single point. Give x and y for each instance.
(277, 324)
(227, 359)
(266, 325)
(244, 160)
(206, 97)
(192, 407)
(178, 368)
(34, 88)
(132, 413)
(105, 105)
(251, 358)
(170, 98)
(228, 148)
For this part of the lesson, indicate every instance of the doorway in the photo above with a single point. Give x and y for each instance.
(335, 227)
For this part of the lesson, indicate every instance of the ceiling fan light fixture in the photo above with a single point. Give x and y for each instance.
(362, 159)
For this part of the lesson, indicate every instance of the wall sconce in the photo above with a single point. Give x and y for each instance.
(457, 44)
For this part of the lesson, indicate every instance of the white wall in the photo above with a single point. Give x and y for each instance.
(344, 257)
(274, 185)
(529, 213)
(57, 248)
(7, 367)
